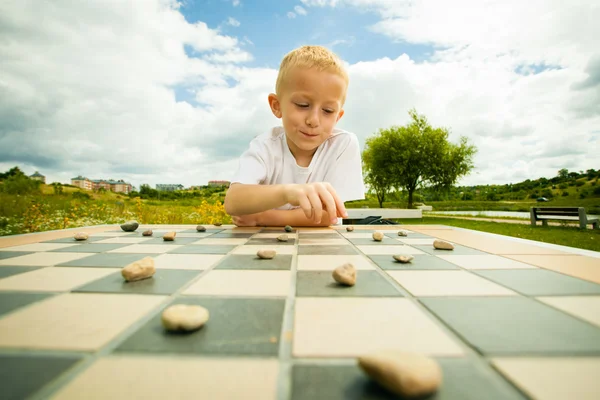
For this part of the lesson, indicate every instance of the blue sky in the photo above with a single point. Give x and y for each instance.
(172, 91)
(273, 33)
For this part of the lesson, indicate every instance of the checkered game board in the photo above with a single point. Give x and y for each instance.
(504, 318)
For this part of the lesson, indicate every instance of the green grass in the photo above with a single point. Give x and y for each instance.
(588, 239)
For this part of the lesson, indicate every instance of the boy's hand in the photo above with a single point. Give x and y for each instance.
(245, 220)
(313, 198)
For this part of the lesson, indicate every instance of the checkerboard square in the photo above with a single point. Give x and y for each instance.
(43, 259)
(515, 325)
(487, 261)
(327, 249)
(419, 262)
(447, 283)
(53, 279)
(321, 283)
(242, 283)
(74, 321)
(106, 260)
(389, 249)
(162, 282)
(186, 261)
(236, 327)
(146, 249)
(350, 327)
(247, 261)
(330, 262)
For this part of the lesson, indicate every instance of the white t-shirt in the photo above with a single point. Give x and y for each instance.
(269, 161)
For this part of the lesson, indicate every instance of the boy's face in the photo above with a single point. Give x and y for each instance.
(310, 105)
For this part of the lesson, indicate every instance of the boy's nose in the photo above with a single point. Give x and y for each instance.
(312, 120)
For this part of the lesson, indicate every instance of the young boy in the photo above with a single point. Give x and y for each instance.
(301, 173)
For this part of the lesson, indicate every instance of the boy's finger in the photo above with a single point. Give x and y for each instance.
(315, 203)
(304, 203)
(339, 203)
(329, 203)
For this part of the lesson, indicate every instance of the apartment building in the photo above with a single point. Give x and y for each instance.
(118, 186)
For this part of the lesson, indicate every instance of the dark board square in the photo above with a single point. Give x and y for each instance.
(208, 230)
(540, 282)
(231, 235)
(22, 375)
(10, 254)
(247, 261)
(327, 249)
(91, 248)
(368, 241)
(203, 249)
(321, 283)
(319, 236)
(164, 281)
(236, 327)
(10, 301)
(107, 260)
(458, 250)
(420, 261)
(158, 239)
(515, 326)
(270, 242)
(71, 240)
(462, 380)
(7, 270)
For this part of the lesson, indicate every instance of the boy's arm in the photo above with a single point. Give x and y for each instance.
(316, 200)
(242, 199)
(295, 217)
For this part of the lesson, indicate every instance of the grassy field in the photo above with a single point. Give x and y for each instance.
(77, 208)
(561, 235)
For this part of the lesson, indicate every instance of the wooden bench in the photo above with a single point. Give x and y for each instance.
(562, 214)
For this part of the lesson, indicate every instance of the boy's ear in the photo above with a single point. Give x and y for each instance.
(340, 115)
(275, 105)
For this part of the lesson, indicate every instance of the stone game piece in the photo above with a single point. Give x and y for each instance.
(200, 228)
(184, 317)
(169, 236)
(378, 236)
(147, 233)
(442, 245)
(130, 226)
(282, 238)
(349, 228)
(345, 274)
(402, 233)
(405, 374)
(403, 258)
(81, 236)
(217, 224)
(266, 254)
(139, 270)
(288, 228)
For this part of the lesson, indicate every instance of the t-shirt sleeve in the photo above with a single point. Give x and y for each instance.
(346, 174)
(252, 168)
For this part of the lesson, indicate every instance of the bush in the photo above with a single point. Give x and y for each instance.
(597, 190)
(563, 186)
(564, 194)
(81, 195)
(579, 183)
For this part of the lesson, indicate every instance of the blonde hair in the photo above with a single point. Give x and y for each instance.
(310, 57)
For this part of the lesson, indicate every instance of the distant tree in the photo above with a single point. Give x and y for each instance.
(416, 155)
(377, 170)
(14, 171)
(20, 184)
(563, 173)
(57, 187)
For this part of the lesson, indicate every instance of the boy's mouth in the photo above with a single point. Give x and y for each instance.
(308, 134)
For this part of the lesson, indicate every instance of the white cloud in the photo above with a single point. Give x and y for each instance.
(299, 10)
(291, 15)
(92, 91)
(485, 81)
(236, 3)
(233, 22)
(98, 91)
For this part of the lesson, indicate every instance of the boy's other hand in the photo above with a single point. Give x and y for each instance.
(313, 198)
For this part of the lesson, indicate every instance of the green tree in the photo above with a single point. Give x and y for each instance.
(376, 168)
(563, 174)
(416, 155)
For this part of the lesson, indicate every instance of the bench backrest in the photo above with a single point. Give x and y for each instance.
(557, 211)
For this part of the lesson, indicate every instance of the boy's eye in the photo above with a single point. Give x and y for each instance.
(302, 105)
(328, 111)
